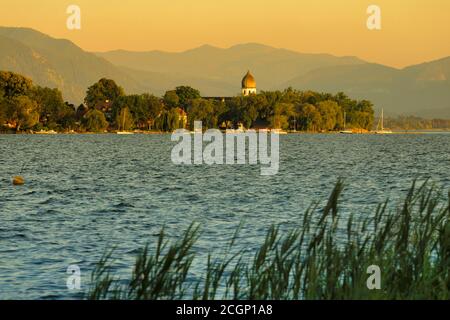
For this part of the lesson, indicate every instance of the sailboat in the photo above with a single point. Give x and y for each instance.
(380, 126)
(345, 131)
(123, 126)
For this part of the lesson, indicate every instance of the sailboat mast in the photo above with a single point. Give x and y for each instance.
(382, 119)
(345, 123)
(123, 120)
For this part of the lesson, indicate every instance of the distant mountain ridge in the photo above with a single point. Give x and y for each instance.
(422, 89)
(56, 63)
(271, 66)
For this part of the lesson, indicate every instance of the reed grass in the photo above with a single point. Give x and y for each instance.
(326, 257)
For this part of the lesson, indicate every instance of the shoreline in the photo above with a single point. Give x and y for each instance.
(443, 131)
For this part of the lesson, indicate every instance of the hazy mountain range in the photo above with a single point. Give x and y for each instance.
(422, 89)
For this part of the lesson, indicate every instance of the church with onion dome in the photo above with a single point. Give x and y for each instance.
(248, 85)
(248, 88)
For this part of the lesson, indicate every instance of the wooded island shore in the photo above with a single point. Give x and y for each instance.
(27, 108)
(140, 132)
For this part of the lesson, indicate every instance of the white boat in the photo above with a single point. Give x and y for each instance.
(278, 131)
(380, 126)
(234, 131)
(240, 129)
(124, 132)
(46, 132)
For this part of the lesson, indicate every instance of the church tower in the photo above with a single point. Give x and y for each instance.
(248, 85)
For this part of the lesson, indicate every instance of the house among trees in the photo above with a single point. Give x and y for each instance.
(104, 106)
(182, 117)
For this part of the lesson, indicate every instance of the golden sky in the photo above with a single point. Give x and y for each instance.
(413, 31)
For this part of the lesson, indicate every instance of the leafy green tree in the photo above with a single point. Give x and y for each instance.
(283, 112)
(233, 110)
(330, 114)
(124, 120)
(310, 97)
(171, 99)
(161, 122)
(122, 102)
(23, 112)
(67, 117)
(309, 118)
(367, 114)
(344, 101)
(95, 121)
(289, 95)
(249, 111)
(105, 90)
(202, 110)
(221, 109)
(150, 108)
(80, 112)
(173, 120)
(144, 108)
(3, 109)
(186, 95)
(241, 110)
(13, 84)
(51, 105)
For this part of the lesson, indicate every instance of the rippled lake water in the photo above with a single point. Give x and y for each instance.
(87, 193)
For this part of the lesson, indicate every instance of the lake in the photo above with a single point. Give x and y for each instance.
(85, 194)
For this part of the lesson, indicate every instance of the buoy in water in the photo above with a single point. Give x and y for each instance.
(18, 181)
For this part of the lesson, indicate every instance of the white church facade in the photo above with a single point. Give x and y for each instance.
(248, 85)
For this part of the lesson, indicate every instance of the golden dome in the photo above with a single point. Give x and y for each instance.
(248, 82)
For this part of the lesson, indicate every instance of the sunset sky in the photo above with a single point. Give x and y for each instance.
(413, 31)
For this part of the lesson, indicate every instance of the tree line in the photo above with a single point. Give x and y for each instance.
(25, 106)
(416, 123)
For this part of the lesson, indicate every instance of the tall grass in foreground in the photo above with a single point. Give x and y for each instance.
(325, 258)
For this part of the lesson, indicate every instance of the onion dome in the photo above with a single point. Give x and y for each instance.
(248, 82)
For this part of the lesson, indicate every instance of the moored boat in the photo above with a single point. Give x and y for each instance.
(46, 132)
(380, 127)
